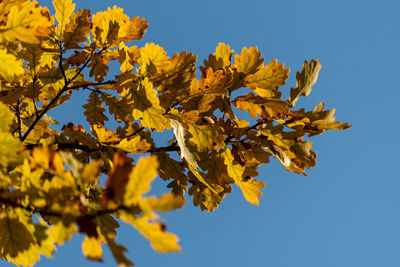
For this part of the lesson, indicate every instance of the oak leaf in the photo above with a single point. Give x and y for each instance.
(64, 9)
(249, 186)
(304, 80)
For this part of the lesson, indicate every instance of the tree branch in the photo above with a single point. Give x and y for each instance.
(18, 115)
(85, 85)
(85, 148)
(44, 212)
(63, 90)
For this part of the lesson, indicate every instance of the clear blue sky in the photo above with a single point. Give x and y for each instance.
(346, 212)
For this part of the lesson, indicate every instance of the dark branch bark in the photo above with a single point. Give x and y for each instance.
(85, 85)
(64, 146)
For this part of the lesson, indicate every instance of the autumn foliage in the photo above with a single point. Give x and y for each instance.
(56, 183)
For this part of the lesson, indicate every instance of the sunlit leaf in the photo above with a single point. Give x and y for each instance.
(250, 187)
(7, 60)
(140, 179)
(64, 9)
(160, 240)
(267, 79)
(305, 80)
(91, 248)
(248, 61)
(26, 22)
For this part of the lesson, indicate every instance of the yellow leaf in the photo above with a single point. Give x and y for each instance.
(205, 197)
(133, 30)
(140, 179)
(152, 58)
(61, 232)
(160, 240)
(91, 248)
(224, 53)
(10, 66)
(268, 78)
(10, 149)
(64, 9)
(250, 187)
(105, 136)
(26, 22)
(315, 122)
(166, 202)
(248, 61)
(266, 108)
(216, 83)
(204, 182)
(146, 107)
(90, 173)
(126, 29)
(127, 57)
(133, 145)
(6, 116)
(304, 81)
(205, 137)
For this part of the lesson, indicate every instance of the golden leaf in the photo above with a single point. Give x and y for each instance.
(266, 108)
(104, 135)
(10, 149)
(64, 9)
(127, 57)
(304, 80)
(126, 29)
(166, 202)
(250, 187)
(224, 53)
(248, 61)
(152, 58)
(160, 240)
(216, 83)
(10, 66)
(133, 145)
(140, 179)
(26, 22)
(7, 117)
(91, 248)
(61, 232)
(146, 107)
(267, 79)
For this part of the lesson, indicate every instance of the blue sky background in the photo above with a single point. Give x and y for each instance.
(346, 212)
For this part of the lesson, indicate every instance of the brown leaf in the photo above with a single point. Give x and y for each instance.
(118, 178)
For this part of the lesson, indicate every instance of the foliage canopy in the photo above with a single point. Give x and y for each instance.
(50, 179)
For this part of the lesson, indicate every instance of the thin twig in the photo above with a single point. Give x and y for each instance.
(135, 132)
(85, 85)
(85, 148)
(18, 114)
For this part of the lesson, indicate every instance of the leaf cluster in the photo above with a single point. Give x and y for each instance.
(50, 179)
